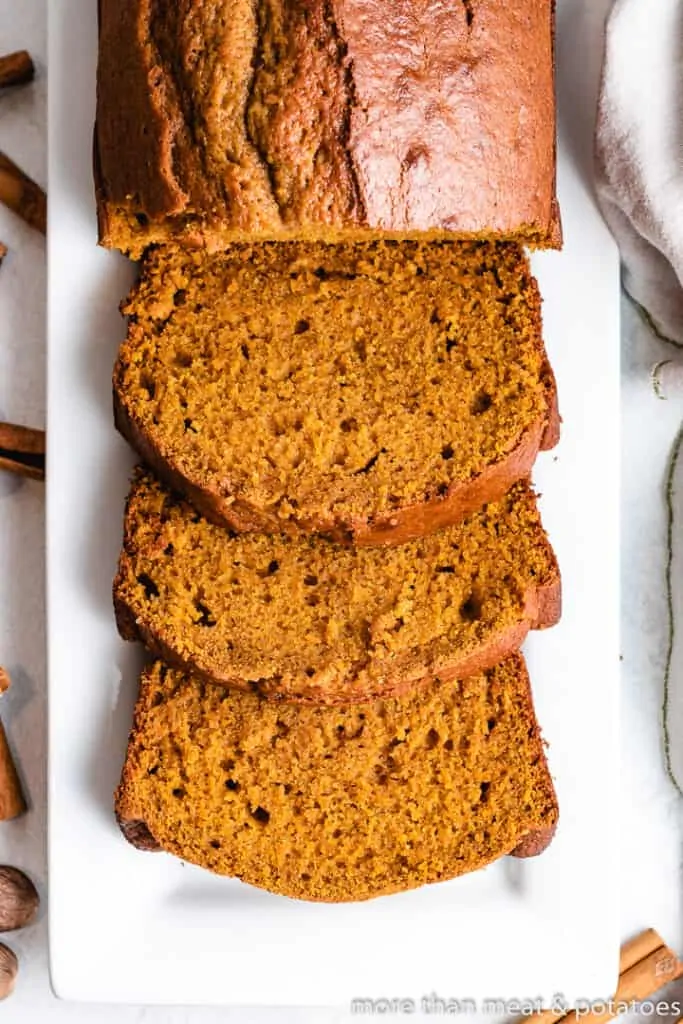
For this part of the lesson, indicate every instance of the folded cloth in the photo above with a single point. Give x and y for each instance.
(640, 153)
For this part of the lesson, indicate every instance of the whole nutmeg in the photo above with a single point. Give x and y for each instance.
(19, 900)
(9, 967)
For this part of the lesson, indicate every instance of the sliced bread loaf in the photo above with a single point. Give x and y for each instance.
(338, 804)
(371, 393)
(303, 619)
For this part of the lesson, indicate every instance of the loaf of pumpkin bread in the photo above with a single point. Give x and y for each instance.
(338, 804)
(234, 120)
(302, 619)
(373, 393)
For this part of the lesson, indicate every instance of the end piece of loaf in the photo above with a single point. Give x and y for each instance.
(234, 120)
(371, 393)
(302, 619)
(338, 804)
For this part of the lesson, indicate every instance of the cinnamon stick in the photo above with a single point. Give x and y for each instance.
(22, 195)
(16, 69)
(638, 948)
(12, 802)
(638, 983)
(22, 439)
(646, 964)
(20, 468)
(22, 451)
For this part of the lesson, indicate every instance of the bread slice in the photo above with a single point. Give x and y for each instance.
(230, 120)
(370, 393)
(302, 619)
(338, 804)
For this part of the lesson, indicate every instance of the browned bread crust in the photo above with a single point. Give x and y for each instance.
(534, 842)
(486, 338)
(381, 798)
(333, 118)
(138, 835)
(300, 620)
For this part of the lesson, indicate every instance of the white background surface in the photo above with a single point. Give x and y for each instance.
(647, 851)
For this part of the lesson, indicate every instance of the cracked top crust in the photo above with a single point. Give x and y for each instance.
(223, 120)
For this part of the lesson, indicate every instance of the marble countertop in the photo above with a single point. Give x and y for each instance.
(647, 852)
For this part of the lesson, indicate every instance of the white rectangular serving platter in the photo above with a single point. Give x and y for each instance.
(143, 928)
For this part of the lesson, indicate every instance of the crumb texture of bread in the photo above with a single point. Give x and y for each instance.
(339, 804)
(226, 120)
(303, 619)
(369, 392)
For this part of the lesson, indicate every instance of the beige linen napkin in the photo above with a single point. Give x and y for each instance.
(639, 171)
(640, 153)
